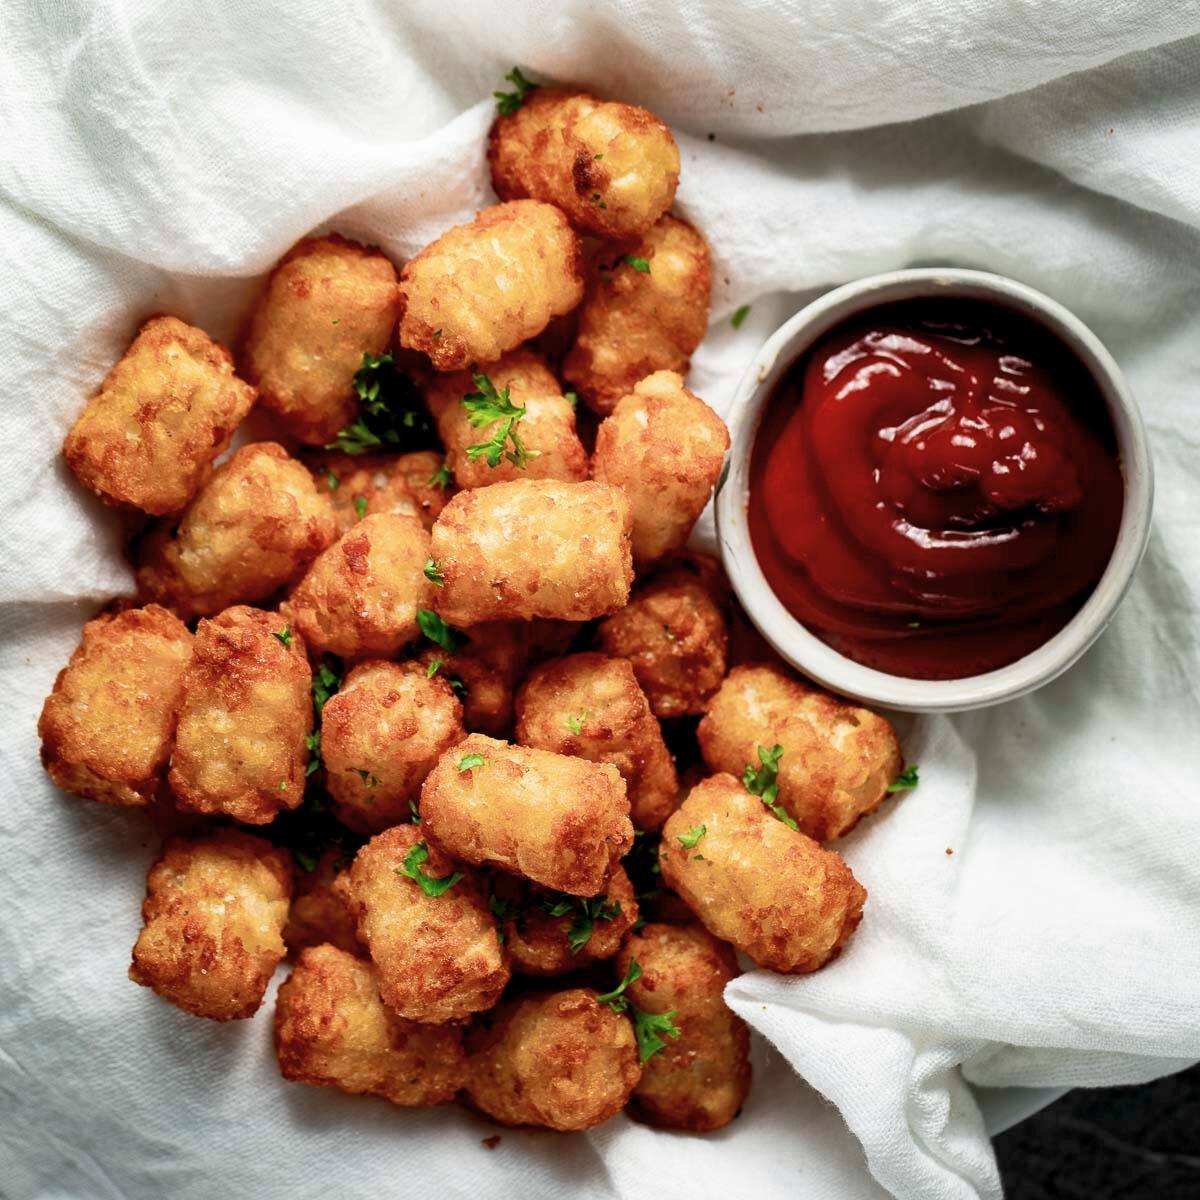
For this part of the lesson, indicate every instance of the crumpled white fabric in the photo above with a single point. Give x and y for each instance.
(160, 156)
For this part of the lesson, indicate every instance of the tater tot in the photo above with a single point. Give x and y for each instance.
(699, 1080)
(483, 673)
(406, 485)
(253, 528)
(546, 430)
(332, 1030)
(380, 736)
(438, 955)
(632, 322)
(772, 892)
(214, 913)
(677, 640)
(561, 822)
(533, 548)
(322, 910)
(591, 706)
(837, 760)
(611, 167)
(550, 933)
(560, 1060)
(328, 302)
(489, 285)
(360, 597)
(162, 415)
(663, 446)
(245, 713)
(107, 726)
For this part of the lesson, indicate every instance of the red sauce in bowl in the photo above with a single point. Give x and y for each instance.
(935, 492)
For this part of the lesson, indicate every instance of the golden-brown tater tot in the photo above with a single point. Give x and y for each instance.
(562, 822)
(328, 302)
(611, 167)
(557, 1059)
(254, 527)
(483, 673)
(590, 705)
(699, 1080)
(837, 760)
(322, 910)
(380, 736)
(546, 430)
(489, 285)
(677, 640)
(664, 447)
(162, 415)
(107, 726)
(533, 548)
(772, 892)
(632, 322)
(550, 933)
(361, 596)
(332, 1030)
(436, 947)
(214, 913)
(406, 485)
(243, 719)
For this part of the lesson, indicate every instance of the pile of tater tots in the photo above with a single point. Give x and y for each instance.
(426, 690)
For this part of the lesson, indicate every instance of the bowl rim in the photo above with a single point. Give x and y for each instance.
(806, 652)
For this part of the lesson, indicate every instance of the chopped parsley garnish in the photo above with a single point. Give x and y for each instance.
(306, 858)
(390, 412)
(325, 683)
(638, 264)
(489, 406)
(469, 762)
(435, 665)
(413, 869)
(312, 742)
(283, 785)
(368, 777)
(575, 722)
(360, 506)
(441, 478)
(649, 1028)
(436, 630)
(905, 781)
(587, 913)
(434, 573)
(739, 316)
(507, 103)
(501, 908)
(457, 686)
(688, 840)
(283, 635)
(572, 398)
(764, 783)
(332, 480)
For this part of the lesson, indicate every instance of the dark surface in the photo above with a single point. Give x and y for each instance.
(1124, 1143)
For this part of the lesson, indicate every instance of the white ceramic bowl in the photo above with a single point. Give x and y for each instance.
(808, 653)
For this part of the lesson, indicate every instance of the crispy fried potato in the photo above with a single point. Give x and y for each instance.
(406, 485)
(163, 414)
(322, 910)
(439, 957)
(550, 933)
(533, 548)
(633, 323)
(243, 719)
(556, 1059)
(547, 430)
(677, 640)
(699, 1080)
(328, 302)
(214, 912)
(107, 726)
(837, 759)
(772, 892)
(561, 822)
(380, 736)
(361, 596)
(611, 167)
(590, 705)
(332, 1030)
(483, 673)
(254, 527)
(487, 286)
(663, 446)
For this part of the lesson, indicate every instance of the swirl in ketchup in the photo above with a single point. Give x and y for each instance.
(932, 497)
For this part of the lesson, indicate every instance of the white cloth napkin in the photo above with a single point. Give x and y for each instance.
(160, 156)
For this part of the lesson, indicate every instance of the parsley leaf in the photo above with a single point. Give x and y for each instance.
(739, 316)
(434, 573)
(764, 783)
(413, 869)
(312, 742)
(489, 406)
(333, 481)
(507, 103)
(616, 999)
(638, 264)
(436, 630)
(435, 665)
(306, 858)
(905, 781)
(360, 506)
(649, 1028)
(391, 414)
(575, 722)
(501, 908)
(441, 478)
(572, 398)
(688, 840)
(469, 762)
(587, 912)
(457, 686)
(284, 635)
(368, 777)
(325, 683)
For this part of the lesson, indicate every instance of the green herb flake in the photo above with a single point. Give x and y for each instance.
(436, 630)
(575, 722)
(390, 413)
(434, 573)
(283, 635)
(507, 103)
(572, 398)
(332, 480)
(307, 860)
(469, 762)
(413, 869)
(441, 478)
(616, 999)
(649, 1028)
(688, 840)
(764, 783)
(368, 777)
(360, 506)
(283, 785)
(312, 742)
(739, 316)
(435, 665)
(905, 781)
(325, 683)
(489, 406)
(638, 264)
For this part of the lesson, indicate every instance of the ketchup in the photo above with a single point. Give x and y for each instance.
(935, 498)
